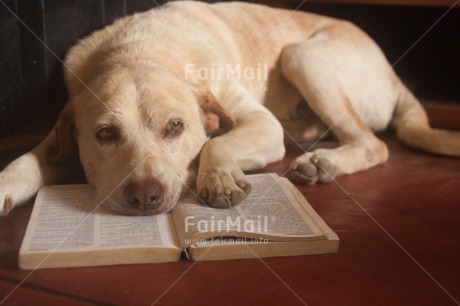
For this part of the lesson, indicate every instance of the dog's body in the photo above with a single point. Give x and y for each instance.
(146, 92)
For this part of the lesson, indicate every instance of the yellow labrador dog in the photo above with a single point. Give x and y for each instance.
(192, 91)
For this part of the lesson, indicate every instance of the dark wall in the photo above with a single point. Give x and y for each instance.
(35, 35)
(34, 38)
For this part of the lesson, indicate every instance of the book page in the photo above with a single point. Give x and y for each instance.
(66, 219)
(115, 230)
(269, 211)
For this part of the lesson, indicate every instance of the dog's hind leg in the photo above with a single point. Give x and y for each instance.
(311, 66)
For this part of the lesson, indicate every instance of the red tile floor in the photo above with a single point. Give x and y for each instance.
(399, 226)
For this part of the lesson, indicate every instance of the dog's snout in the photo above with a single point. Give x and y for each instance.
(145, 194)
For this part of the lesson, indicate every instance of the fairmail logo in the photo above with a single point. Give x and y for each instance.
(257, 225)
(260, 71)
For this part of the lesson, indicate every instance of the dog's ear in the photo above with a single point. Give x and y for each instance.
(64, 148)
(216, 119)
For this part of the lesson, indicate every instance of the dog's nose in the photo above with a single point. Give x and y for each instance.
(144, 194)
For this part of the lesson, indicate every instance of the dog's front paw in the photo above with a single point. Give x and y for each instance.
(223, 187)
(311, 168)
(6, 204)
(12, 194)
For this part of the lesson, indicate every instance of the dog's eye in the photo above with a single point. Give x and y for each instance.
(107, 133)
(174, 128)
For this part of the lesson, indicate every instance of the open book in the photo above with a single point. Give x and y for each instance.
(68, 229)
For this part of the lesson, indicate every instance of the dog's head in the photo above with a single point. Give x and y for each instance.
(138, 131)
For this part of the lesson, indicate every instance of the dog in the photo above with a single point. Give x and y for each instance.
(198, 92)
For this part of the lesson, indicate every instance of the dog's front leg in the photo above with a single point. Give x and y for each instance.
(53, 160)
(20, 180)
(256, 140)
